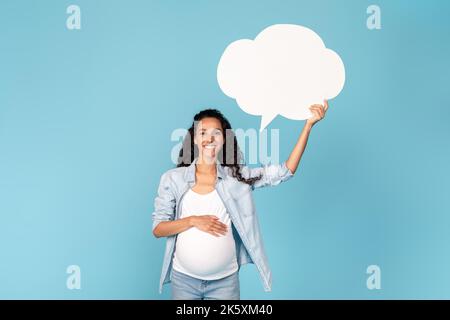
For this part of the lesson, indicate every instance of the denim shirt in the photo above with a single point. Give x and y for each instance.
(238, 200)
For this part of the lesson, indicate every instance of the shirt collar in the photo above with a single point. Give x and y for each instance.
(190, 172)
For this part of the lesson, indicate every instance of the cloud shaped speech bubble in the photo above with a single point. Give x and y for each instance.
(285, 70)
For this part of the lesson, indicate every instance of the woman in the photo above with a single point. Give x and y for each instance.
(205, 209)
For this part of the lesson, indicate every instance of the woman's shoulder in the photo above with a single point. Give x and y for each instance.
(173, 178)
(175, 172)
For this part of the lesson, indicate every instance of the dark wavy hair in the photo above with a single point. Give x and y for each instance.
(230, 155)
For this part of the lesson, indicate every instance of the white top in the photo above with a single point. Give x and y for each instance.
(200, 254)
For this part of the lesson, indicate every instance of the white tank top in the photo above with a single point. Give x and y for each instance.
(200, 254)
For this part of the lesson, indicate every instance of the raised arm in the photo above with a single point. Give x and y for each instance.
(318, 112)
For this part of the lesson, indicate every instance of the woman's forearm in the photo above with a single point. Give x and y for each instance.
(296, 154)
(169, 228)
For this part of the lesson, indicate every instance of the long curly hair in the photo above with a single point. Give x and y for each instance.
(229, 156)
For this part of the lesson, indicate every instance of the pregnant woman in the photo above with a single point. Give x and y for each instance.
(205, 209)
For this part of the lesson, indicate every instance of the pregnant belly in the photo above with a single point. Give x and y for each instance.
(203, 254)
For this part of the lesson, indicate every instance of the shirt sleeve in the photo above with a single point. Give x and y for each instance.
(271, 174)
(164, 202)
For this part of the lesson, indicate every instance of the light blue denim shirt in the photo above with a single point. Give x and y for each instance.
(238, 200)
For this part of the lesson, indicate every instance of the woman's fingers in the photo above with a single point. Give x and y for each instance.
(313, 109)
(321, 111)
(216, 222)
(220, 231)
(217, 231)
(221, 227)
(315, 112)
(218, 228)
(212, 229)
(324, 106)
(318, 110)
(212, 225)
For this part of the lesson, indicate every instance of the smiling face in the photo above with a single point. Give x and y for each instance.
(209, 138)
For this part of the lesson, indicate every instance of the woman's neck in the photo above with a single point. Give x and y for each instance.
(206, 165)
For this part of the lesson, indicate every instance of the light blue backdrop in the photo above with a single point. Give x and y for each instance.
(85, 124)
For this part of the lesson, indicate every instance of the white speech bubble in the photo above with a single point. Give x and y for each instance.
(285, 70)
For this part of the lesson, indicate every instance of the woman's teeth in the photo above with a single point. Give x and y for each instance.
(210, 146)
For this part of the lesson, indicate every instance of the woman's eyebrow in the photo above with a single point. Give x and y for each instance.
(203, 129)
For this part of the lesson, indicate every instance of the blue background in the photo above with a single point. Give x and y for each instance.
(85, 123)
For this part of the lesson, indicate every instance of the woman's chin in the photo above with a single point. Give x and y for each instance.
(209, 154)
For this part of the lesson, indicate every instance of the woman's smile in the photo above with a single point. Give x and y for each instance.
(210, 146)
